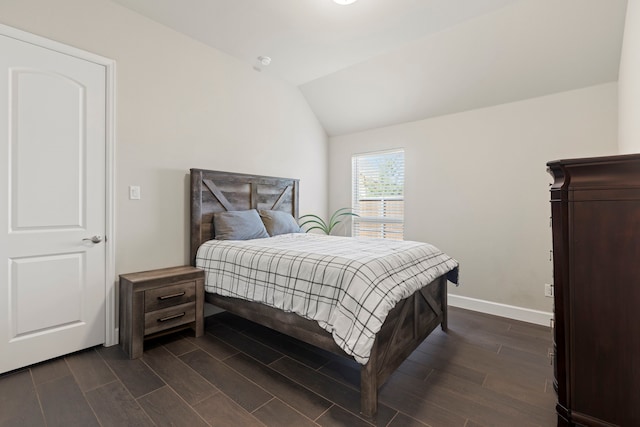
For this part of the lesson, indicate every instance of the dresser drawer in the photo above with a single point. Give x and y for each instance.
(166, 318)
(169, 296)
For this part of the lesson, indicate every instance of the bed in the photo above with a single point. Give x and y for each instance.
(404, 328)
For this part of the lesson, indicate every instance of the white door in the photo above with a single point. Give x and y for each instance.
(52, 198)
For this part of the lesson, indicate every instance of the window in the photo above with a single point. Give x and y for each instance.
(378, 194)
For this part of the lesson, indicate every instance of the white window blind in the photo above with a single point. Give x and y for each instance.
(378, 194)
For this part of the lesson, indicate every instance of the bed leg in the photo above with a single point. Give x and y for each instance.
(445, 307)
(369, 386)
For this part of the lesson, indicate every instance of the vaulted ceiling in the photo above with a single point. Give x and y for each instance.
(381, 62)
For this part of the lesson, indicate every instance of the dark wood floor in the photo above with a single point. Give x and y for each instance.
(486, 371)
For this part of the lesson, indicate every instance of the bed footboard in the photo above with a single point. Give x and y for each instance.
(406, 326)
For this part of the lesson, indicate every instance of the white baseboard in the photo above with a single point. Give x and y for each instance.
(502, 310)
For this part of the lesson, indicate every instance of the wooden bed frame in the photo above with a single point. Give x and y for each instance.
(406, 326)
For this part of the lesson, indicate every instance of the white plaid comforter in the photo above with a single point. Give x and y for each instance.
(347, 285)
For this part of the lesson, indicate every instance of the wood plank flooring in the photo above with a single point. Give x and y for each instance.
(486, 371)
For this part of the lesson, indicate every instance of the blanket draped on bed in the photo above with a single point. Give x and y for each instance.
(348, 285)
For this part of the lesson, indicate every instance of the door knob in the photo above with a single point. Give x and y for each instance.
(94, 239)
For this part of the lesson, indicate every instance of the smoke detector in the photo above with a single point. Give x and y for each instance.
(264, 60)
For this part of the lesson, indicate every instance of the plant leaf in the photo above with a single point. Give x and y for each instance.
(335, 221)
(319, 222)
(317, 227)
(327, 228)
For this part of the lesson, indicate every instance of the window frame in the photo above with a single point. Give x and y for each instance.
(392, 226)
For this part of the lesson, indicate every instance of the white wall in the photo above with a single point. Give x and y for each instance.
(629, 82)
(477, 186)
(181, 104)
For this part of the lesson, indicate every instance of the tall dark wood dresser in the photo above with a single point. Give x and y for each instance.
(595, 208)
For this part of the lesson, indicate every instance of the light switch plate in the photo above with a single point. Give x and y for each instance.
(134, 192)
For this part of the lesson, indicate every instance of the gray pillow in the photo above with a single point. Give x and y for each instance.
(278, 222)
(238, 225)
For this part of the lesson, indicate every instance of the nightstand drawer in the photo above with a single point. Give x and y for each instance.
(166, 318)
(169, 296)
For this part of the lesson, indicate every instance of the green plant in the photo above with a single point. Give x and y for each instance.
(317, 223)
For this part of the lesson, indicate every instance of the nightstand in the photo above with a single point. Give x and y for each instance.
(158, 302)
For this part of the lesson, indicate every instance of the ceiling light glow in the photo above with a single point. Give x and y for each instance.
(344, 2)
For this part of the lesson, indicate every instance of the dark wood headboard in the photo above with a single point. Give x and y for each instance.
(216, 191)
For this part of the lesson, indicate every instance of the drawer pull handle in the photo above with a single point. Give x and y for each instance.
(175, 316)
(179, 294)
